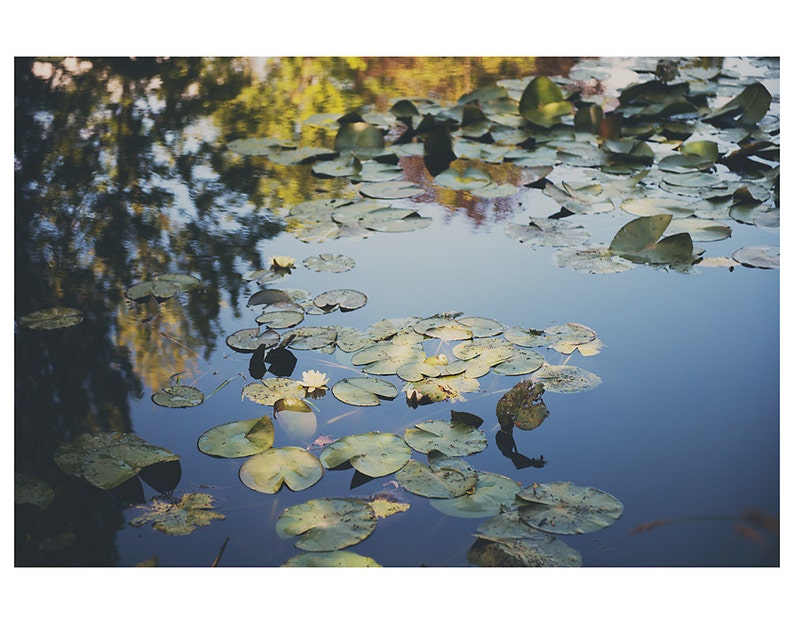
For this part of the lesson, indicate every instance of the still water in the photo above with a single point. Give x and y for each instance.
(123, 171)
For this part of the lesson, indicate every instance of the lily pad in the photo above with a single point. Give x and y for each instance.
(107, 460)
(598, 261)
(436, 482)
(567, 338)
(327, 524)
(564, 508)
(491, 493)
(453, 439)
(373, 454)
(543, 103)
(701, 230)
(566, 379)
(522, 362)
(469, 179)
(308, 338)
(351, 339)
(363, 391)
(540, 552)
(330, 263)
(345, 299)
(385, 359)
(178, 396)
(52, 318)
(443, 388)
(393, 189)
(759, 257)
(649, 206)
(522, 406)
(548, 232)
(333, 559)
(360, 137)
(181, 517)
(281, 315)
(268, 391)
(636, 241)
(248, 340)
(269, 470)
(162, 287)
(29, 489)
(481, 327)
(240, 438)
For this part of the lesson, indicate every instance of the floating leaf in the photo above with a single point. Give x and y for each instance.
(268, 391)
(445, 388)
(453, 439)
(345, 166)
(331, 263)
(386, 505)
(444, 481)
(107, 460)
(256, 146)
(300, 155)
(636, 241)
(522, 406)
(564, 508)
(396, 189)
(269, 470)
(466, 180)
(306, 338)
(566, 379)
(385, 359)
(345, 299)
(598, 261)
(350, 339)
(162, 287)
(481, 327)
(650, 206)
(759, 257)
(363, 391)
(182, 517)
(701, 230)
(746, 109)
(327, 524)
(32, 490)
(281, 315)
(248, 340)
(334, 559)
(178, 396)
(52, 318)
(567, 338)
(522, 362)
(267, 296)
(548, 232)
(543, 103)
(240, 438)
(359, 137)
(489, 495)
(373, 454)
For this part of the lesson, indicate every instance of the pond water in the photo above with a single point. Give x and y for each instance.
(130, 169)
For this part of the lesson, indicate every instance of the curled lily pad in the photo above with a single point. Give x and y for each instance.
(248, 340)
(333, 559)
(759, 257)
(178, 396)
(491, 493)
(637, 241)
(453, 439)
(107, 460)
(344, 299)
(240, 438)
(269, 470)
(568, 509)
(52, 318)
(567, 338)
(373, 454)
(566, 379)
(444, 481)
(268, 391)
(181, 517)
(522, 406)
(332, 263)
(543, 103)
(327, 524)
(363, 391)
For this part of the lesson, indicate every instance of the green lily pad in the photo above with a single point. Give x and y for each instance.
(333, 559)
(107, 460)
(453, 439)
(481, 327)
(344, 166)
(543, 103)
(178, 396)
(701, 230)
(522, 406)
(493, 190)
(522, 362)
(373, 454)
(300, 155)
(385, 359)
(636, 241)
(269, 470)
(311, 338)
(268, 391)
(240, 438)
(29, 489)
(440, 481)
(649, 206)
(443, 328)
(526, 337)
(469, 179)
(281, 315)
(267, 296)
(345, 299)
(394, 189)
(330, 263)
(564, 508)
(548, 232)
(491, 493)
(746, 109)
(162, 287)
(566, 379)
(394, 220)
(181, 517)
(327, 524)
(363, 391)
(249, 340)
(52, 318)
(588, 199)
(758, 257)
(443, 388)
(360, 137)
(256, 146)
(351, 339)
(567, 338)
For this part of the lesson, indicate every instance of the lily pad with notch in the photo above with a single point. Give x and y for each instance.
(491, 493)
(327, 524)
(453, 439)
(281, 315)
(637, 241)
(373, 454)
(446, 478)
(178, 396)
(292, 466)
(250, 339)
(344, 299)
(364, 391)
(239, 438)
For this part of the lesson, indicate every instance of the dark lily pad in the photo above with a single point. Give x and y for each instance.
(331, 263)
(564, 508)
(107, 460)
(543, 104)
(248, 340)
(240, 438)
(327, 524)
(52, 318)
(345, 299)
(29, 489)
(636, 241)
(360, 137)
(373, 454)
(269, 470)
(522, 406)
(540, 552)
(162, 287)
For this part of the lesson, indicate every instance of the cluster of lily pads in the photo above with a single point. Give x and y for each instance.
(663, 148)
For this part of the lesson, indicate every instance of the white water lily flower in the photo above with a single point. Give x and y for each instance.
(281, 262)
(314, 380)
